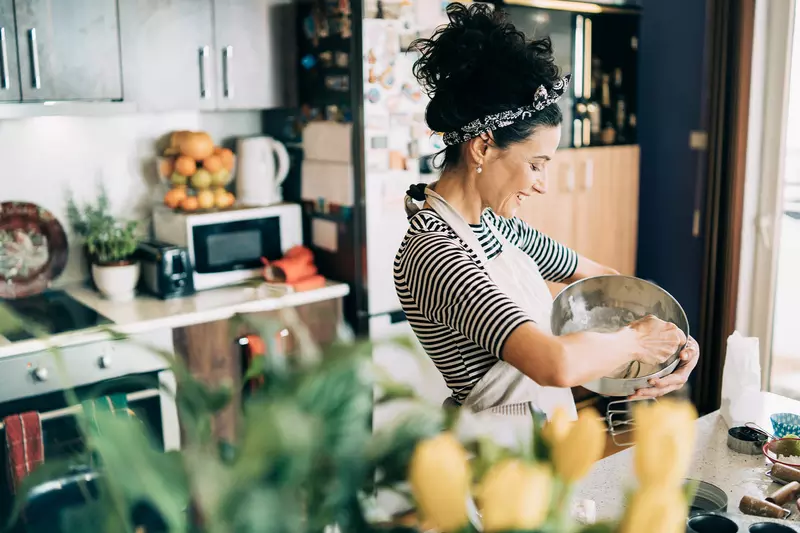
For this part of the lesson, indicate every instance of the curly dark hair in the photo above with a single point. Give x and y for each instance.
(480, 64)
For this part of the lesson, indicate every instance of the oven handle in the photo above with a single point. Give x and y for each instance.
(75, 409)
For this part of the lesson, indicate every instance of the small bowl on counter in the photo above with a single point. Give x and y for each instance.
(785, 424)
(708, 498)
(747, 440)
(784, 451)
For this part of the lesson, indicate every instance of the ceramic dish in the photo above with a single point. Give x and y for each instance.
(33, 249)
(783, 451)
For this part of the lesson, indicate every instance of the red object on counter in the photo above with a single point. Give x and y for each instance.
(296, 268)
(24, 445)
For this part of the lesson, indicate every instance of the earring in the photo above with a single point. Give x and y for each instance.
(479, 169)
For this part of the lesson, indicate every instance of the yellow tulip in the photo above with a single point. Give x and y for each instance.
(440, 478)
(664, 436)
(656, 510)
(515, 496)
(556, 429)
(581, 447)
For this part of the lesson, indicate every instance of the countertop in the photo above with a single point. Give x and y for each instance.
(147, 313)
(713, 462)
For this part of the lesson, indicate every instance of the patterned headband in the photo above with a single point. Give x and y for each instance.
(541, 99)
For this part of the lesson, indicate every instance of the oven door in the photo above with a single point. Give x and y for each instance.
(150, 396)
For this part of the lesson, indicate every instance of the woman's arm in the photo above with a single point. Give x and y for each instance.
(587, 268)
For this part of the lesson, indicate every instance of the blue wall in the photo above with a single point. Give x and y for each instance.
(671, 85)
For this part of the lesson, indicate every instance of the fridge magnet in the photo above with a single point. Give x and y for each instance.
(344, 7)
(371, 58)
(342, 59)
(323, 28)
(308, 62)
(411, 92)
(373, 95)
(387, 78)
(371, 76)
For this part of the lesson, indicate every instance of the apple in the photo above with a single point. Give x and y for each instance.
(178, 179)
(201, 179)
(220, 177)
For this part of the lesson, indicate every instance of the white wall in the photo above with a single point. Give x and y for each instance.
(42, 159)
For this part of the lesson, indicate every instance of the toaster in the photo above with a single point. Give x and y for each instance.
(166, 269)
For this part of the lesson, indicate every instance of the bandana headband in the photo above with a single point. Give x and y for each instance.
(541, 99)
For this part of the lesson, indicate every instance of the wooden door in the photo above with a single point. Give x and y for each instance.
(246, 54)
(69, 50)
(168, 54)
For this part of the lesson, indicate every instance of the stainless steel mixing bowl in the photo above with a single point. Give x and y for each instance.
(608, 303)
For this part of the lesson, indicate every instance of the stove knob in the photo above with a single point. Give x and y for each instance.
(104, 361)
(40, 373)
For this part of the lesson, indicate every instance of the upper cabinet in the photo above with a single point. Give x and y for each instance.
(245, 55)
(9, 67)
(167, 54)
(198, 54)
(68, 49)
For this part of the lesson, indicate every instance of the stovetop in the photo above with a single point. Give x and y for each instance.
(51, 312)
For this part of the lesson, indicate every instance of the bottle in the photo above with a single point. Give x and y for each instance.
(593, 105)
(609, 134)
(620, 107)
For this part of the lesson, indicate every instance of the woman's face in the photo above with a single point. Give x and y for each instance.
(511, 175)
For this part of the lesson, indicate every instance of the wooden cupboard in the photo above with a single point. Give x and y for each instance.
(592, 204)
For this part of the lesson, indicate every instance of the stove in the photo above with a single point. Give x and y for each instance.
(52, 312)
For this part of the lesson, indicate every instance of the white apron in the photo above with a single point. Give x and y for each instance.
(504, 396)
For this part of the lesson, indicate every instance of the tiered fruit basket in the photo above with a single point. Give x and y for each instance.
(196, 172)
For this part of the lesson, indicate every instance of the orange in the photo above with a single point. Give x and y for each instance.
(205, 199)
(189, 203)
(166, 167)
(226, 156)
(174, 197)
(185, 166)
(212, 163)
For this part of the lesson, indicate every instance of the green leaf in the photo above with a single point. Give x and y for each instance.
(600, 527)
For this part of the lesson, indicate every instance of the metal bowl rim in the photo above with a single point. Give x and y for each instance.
(634, 278)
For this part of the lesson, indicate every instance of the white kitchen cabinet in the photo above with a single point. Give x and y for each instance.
(199, 54)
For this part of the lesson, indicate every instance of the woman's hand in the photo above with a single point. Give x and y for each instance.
(661, 386)
(656, 340)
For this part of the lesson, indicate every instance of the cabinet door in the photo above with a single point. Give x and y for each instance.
(9, 66)
(553, 213)
(69, 49)
(168, 54)
(245, 57)
(607, 195)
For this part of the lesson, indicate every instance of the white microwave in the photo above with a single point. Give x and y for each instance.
(227, 247)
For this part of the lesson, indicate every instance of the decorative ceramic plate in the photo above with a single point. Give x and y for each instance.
(33, 249)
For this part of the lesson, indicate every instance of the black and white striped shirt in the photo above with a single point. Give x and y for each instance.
(459, 315)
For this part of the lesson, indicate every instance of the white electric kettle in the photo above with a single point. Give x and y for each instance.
(262, 164)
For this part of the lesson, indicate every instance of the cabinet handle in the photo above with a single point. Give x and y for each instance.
(588, 177)
(204, 52)
(37, 80)
(227, 86)
(5, 83)
(571, 179)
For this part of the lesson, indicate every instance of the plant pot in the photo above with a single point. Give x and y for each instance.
(116, 282)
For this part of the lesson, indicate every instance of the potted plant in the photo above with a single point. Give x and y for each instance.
(110, 246)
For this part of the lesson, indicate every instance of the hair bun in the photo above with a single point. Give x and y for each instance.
(479, 64)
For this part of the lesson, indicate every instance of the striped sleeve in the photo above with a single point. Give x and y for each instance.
(451, 289)
(556, 262)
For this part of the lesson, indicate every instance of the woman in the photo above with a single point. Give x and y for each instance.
(470, 276)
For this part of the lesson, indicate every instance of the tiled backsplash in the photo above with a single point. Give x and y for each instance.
(43, 159)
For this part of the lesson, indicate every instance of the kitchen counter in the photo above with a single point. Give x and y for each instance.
(146, 313)
(736, 474)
